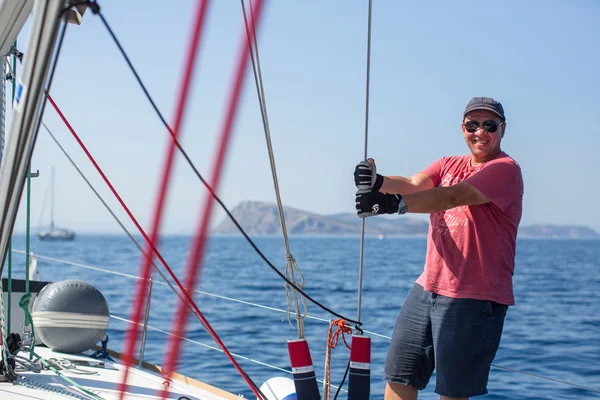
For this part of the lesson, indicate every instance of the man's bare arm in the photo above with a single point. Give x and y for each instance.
(402, 185)
(443, 198)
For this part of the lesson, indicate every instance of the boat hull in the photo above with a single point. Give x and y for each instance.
(53, 236)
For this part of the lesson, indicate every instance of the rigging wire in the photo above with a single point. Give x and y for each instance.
(135, 242)
(362, 222)
(548, 379)
(208, 187)
(291, 265)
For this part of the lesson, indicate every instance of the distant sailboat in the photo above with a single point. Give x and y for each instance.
(55, 233)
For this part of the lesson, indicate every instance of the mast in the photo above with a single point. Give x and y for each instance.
(13, 14)
(27, 107)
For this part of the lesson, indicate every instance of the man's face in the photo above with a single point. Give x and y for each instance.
(482, 143)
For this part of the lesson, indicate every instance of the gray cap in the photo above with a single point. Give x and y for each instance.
(485, 103)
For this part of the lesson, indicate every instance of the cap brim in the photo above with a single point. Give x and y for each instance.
(486, 109)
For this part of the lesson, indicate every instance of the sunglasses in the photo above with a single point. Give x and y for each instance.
(488, 126)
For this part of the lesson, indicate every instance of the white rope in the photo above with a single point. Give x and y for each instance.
(55, 319)
(26, 364)
(290, 291)
(66, 366)
(290, 267)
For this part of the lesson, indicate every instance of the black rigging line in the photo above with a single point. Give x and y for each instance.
(96, 10)
(343, 380)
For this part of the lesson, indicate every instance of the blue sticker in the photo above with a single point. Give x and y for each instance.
(19, 93)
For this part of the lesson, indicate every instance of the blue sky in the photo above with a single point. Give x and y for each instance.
(539, 58)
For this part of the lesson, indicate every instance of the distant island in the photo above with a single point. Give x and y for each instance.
(259, 218)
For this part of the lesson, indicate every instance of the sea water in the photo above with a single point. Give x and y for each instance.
(552, 331)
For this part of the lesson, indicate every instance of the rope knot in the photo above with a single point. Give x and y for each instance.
(24, 301)
(28, 337)
(342, 328)
(104, 352)
(291, 285)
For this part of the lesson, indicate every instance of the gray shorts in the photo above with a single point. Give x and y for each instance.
(457, 337)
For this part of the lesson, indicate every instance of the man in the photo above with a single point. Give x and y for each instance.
(452, 318)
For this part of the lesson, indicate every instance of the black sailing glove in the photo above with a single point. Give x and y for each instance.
(366, 177)
(373, 203)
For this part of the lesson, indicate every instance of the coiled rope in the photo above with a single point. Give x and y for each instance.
(54, 366)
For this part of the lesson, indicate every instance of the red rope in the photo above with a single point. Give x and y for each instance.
(185, 293)
(195, 260)
(120, 200)
(332, 341)
(145, 267)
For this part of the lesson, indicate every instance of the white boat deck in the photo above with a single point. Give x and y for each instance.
(104, 382)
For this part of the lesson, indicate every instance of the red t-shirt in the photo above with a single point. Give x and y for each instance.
(471, 249)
